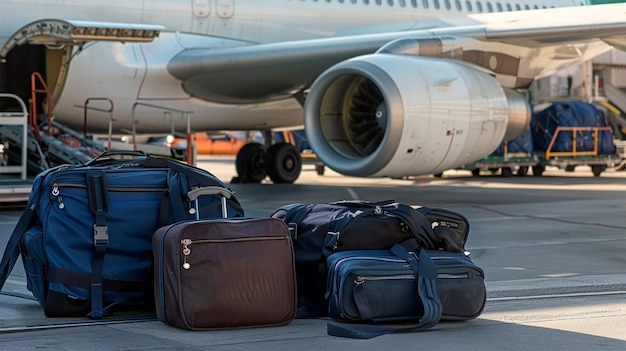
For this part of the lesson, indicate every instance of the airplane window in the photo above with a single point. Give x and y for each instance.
(458, 5)
(508, 7)
(517, 7)
(447, 2)
(479, 6)
(436, 3)
(536, 7)
(425, 3)
(414, 3)
(499, 7)
(378, 2)
(390, 2)
(402, 3)
(366, 2)
(489, 7)
(526, 7)
(468, 5)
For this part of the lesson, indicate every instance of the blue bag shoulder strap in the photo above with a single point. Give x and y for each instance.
(12, 250)
(426, 275)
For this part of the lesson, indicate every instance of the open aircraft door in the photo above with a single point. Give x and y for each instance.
(47, 46)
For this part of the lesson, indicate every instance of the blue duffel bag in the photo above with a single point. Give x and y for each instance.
(86, 235)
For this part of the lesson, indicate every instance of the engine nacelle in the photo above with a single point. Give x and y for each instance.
(393, 115)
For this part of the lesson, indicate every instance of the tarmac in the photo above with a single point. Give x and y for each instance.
(553, 249)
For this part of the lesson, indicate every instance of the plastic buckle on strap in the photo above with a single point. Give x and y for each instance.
(100, 235)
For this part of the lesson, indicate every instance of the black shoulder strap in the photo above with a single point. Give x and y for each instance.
(419, 225)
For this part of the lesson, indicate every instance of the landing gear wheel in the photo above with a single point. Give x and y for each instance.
(319, 169)
(538, 170)
(597, 170)
(506, 171)
(522, 171)
(250, 163)
(476, 172)
(283, 163)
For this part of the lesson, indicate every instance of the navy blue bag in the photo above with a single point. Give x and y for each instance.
(86, 235)
(379, 287)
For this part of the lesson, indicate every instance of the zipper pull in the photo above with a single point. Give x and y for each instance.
(192, 210)
(55, 193)
(358, 281)
(186, 252)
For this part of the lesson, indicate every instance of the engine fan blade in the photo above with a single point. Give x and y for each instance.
(366, 118)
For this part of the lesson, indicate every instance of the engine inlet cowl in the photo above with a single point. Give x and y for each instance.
(395, 115)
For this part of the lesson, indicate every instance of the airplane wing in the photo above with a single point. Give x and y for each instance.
(231, 75)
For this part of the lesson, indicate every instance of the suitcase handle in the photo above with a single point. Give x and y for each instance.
(209, 190)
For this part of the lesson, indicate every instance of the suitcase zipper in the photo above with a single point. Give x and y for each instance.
(187, 242)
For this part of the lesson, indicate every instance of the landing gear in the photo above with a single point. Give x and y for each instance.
(250, 163)
(282, 163)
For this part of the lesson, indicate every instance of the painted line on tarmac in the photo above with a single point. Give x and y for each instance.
(554, 296)
(28, 328)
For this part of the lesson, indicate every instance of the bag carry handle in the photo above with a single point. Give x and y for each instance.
(109, 155)
(426, 275)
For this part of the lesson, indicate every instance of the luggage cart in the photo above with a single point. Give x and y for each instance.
(569, 160)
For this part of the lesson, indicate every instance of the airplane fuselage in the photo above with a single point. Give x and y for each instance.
(131, 73)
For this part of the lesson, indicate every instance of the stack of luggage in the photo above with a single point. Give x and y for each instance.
(129, 231)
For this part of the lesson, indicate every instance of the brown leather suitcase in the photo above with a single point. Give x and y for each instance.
(224, 273)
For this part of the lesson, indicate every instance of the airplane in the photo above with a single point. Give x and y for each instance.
(383, 88)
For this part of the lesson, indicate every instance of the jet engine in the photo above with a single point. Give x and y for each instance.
(388, 115)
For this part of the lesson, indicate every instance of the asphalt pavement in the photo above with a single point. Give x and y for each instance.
(553, 249)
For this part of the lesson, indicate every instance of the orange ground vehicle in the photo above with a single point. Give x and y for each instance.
(213, 144)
